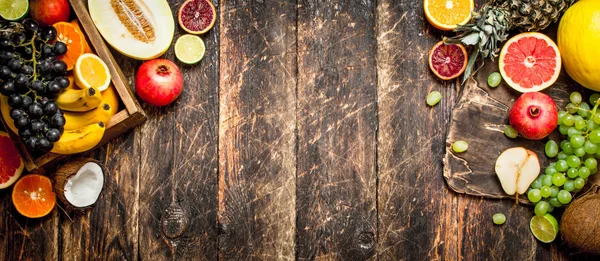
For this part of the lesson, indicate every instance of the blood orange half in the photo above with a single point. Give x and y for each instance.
(11, 165)
(197, 16)
(530, 62)
(447, 61)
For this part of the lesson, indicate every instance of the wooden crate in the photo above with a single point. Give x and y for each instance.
(130, 113)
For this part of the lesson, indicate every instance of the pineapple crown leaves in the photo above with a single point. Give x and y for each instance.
(487, 32)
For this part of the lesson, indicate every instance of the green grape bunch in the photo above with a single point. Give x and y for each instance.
(576, 155)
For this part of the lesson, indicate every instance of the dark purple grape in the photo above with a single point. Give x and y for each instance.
(5, 72)
(59, 48)
(59, 67)
(54, 87)
(27, 70)
(37, 126)
(30, 143)
(43, 144)
(25, 134)
(16, 113)
(57, 121)
(21, 81)
(48, 33)
(4, 43)
(43, 67)
(14, 64)
(63, 81)
(15, 100)
(27, 101)
(50, 108)
(37, 86)
(53, 135)
(22, 123)
(31, 26)
(19, 38)
(47, 50)
(36, 110)
(43, 101)
(7, 55)
(7, 88)
(26, 51)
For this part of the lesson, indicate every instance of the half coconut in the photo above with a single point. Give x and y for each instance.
(79, 183)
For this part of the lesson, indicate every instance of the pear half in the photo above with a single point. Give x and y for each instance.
(516, 169)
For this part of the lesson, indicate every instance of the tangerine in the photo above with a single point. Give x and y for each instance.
(74, 39)
(447, 14)
(33, 197)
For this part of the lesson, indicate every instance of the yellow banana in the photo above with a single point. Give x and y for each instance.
(5, 109)
(79, 100)
(80, 140)
(104, 112)
(111, 97)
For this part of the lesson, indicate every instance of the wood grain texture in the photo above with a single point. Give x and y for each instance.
(337, 123)
(257, 130)
(417, 212)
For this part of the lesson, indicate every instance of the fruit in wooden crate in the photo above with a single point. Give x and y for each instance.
(48, 12)
(73, 39)
(79, 100)
(86, 45)
(491, 24)
(530, 62)
(80, 140)
(103, 113)
(79, 183)
(197, 16)
(578, 40)
(516, 169)
(447, 14)
(91, 72)
(534, 115)
(33, 197)
(158, 82)
(141, 29)
(11, 164)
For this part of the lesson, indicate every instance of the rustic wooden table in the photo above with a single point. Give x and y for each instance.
(303, 134)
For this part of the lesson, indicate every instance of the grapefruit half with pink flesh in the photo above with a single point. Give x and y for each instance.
(530, 62)
(11, 165)
(447, 61)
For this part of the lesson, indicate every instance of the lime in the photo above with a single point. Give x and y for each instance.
(544, 228)
(189, 49)
(13, 9)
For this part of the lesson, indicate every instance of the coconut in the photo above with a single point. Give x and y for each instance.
(580, 223)
(79, 182)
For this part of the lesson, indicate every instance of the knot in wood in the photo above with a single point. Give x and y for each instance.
(366, 240)
(174, 221)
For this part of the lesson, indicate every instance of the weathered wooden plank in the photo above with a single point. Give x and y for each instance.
(257, 130)
(417, 212)
(178, 199)
(337, 123)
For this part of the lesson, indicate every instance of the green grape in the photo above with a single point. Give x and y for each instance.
(564, 197)
(553, 191)
(579, 152)
(499, 218)
(554, 202)
(594, 136)
(566, 147)
(460, 146)
(575, 97)
(550, 170)
(571, 108)
(592, 125)
(510, 132)
(562, 155)
(494, 79)
(537, 183)
(577, 118)
(534, 195)
(590, 163)
(584, 172)
(594, 171)
(573, 173)
(551, 149)
(578, 183)
(589, 147)
(594, 97)
(547, 180)
(561, 166)
(545, 191)
(580, 124)
(550, 208)
(568, 120)
(433, 98)
(558, 179)
(563, 129)
(541, 208)
(569, 185)
(584, 110)
(572, 131)
(573, 161)
(596, 118)
(577, 141)
(561, 114)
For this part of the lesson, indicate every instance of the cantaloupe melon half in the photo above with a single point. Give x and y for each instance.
(140, 29)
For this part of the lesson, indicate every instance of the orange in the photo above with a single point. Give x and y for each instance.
(74, 39)
(447, 14)
(91, 72)
(447, 61)
(33, 197)
(86, 46)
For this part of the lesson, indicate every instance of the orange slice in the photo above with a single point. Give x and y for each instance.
(33, 197)
(74, 39)
(447, 14)
(86, 46)
(91, 72)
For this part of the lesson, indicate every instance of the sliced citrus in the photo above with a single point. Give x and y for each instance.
(13, 10)
(91, 72)
(73, 38)
(189, 49)
(86, 46)
(530, 62)
(197, 16)
(447, 14)
(11, 164)
(33, 197)
(447, 61)
(544, 228)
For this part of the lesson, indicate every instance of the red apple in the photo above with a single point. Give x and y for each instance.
(158, 82)
(49, 12)
(534, 115)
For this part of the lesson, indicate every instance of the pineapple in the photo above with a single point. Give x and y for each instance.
(492, 23)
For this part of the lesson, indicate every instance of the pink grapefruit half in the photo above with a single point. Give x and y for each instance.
(530, 62)
(11, 165)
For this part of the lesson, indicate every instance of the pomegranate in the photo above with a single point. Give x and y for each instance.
(534, 115)
(158, 82)
(49, 12)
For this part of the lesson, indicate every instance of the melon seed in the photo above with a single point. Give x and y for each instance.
(132, 17)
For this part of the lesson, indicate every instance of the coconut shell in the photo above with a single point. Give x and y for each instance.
(64, 172)
(580, 223)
